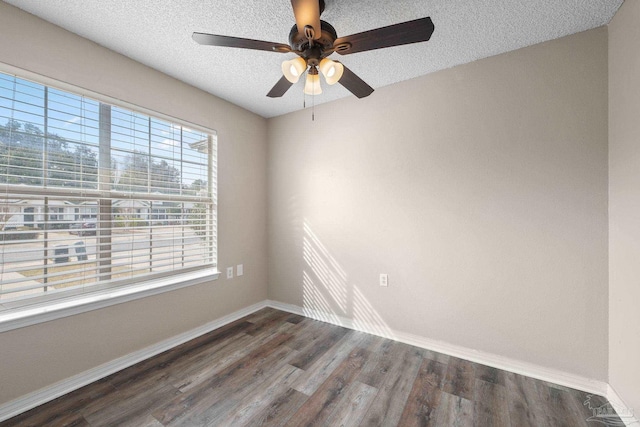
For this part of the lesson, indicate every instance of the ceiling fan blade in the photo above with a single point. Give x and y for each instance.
(227, 41)
(307, 12)
(355, 84)
(280, 88)
(418, 30)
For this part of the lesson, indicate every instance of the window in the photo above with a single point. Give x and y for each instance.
(94, 196)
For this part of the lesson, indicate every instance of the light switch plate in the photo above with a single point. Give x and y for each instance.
(239, 270)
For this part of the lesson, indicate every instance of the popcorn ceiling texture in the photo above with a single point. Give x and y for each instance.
(157, 33)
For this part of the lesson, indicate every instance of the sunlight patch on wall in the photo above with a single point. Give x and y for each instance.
(366, 318)
(314, 304)
(326, 269)
(328, 295)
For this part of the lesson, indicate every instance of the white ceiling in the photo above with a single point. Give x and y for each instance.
(158, 33)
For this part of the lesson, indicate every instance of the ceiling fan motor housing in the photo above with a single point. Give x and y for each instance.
(320, 48)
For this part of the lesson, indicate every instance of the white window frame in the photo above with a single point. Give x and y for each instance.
(30, 311)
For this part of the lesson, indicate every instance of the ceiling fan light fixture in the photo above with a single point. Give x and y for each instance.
(312, 85)
(294, 68)
(332, 70)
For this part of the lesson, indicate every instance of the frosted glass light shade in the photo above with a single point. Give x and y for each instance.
(312, 86)
(293, 69)
(331, 70)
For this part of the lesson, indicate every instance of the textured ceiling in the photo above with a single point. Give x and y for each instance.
(158, 33)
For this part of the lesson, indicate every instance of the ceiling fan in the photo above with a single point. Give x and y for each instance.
(313, 40)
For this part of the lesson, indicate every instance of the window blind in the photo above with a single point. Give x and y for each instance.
(94, 195)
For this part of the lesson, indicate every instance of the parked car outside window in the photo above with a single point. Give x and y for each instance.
(87, 228)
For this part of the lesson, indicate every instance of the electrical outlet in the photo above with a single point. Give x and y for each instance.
(239, 270)
(229, 272)
(384, 279)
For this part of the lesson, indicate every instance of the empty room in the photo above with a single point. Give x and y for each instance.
(319, 212)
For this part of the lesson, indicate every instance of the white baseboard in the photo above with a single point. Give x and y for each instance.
(624, 412)
(46, 394)
(512, 365)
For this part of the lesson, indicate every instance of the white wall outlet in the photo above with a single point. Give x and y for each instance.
(229, 272)
(239, 270)
(384, 279)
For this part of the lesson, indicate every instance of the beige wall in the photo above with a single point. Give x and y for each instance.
(624, 204)
(34, 357)
(481, 190)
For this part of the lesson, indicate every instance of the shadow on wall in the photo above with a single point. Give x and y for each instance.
(329, 296)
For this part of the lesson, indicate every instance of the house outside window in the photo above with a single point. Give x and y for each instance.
(96, 196)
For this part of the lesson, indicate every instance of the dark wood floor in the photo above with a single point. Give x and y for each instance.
(275, 368)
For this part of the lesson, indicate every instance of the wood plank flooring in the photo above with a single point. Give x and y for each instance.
(277, 369)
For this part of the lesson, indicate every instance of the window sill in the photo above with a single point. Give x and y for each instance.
(28, 315)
